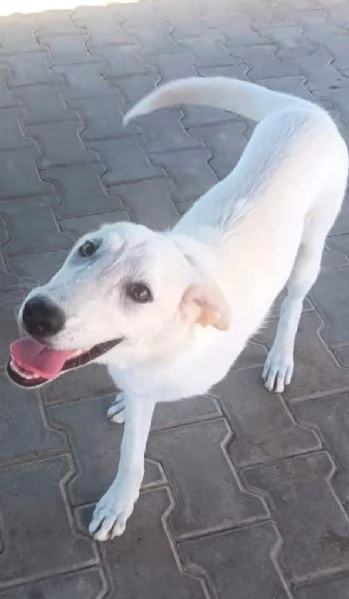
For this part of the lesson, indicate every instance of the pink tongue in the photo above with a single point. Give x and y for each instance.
(38, 359)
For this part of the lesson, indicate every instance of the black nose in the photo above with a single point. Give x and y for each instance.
(41, 317)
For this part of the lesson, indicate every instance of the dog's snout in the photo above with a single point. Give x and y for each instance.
(41, 317)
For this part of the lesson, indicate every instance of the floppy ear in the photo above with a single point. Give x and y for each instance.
(205, 305)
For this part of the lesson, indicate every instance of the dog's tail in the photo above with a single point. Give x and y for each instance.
(247, 99)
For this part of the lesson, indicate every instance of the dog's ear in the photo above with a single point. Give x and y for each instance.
(205, 305)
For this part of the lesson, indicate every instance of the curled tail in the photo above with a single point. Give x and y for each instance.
(242, 97)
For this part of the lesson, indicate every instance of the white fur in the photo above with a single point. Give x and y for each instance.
(262, 227)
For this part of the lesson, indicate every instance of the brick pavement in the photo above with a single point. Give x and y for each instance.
(246, 494)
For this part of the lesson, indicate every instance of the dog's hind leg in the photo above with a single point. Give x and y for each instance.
(278, 369)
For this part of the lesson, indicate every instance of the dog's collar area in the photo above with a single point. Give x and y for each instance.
(23, 378)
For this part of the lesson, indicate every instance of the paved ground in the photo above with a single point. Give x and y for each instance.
(246, 494)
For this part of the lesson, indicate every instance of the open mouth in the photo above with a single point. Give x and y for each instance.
(32, 364)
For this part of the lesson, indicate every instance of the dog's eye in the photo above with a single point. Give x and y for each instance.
(87, 249)
(140, 293)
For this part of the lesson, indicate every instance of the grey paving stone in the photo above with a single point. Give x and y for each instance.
(173, 66)
(163, 131)
(319, 71)
(149, 202)
(83, 80)
(54, 22)
(120, 61)
(11, 134)
(96, 443)
(102, 117)
(153, 40)
(24, 433)
(336, 587)
(66, 49)
(92, 381)
(80, 191)
(88, 584)
(226, 143)
(329, 295)
(32, 227)
(16, 35)
(29, 183)
(60, 144)
(263, 427)
(313, 539)
(29, 68)
(8, 325)
(37, 268)
(102, 27)
(84, 224)
(189, 170)
(134, 562)
(7, 280)
(42, 104)
(6, 101)
(264, 62)
(209, 51)
(135, 87)
(224, 560)
(330, 416)
(40, 516)
(126, 161)
(316, 371)
(199, 448)
(169, 415)
(253, 355)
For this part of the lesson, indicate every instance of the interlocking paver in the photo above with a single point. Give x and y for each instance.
(42, 104)
(146, 535)
(263, 427)
(23, 432)
(80, 190)
(225, 561)
(28, 516)
(32, 227)
(245, 493)
(215, 500)
(313, 539)
(96, 448)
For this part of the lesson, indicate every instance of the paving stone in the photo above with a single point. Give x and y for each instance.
(163, 132)
(28, 436)
(264, 62)
(295, 84)
(333, 38)
(316, 371)
(263, 427)
(174, 66)
(83, 80)
(199, 448)
(121, 60)
(134, 567)
(209, 51)
(125, 160)
(330, 416)
(339, 244)
(238, 32)
(101, 27)
(39, 516)
(226, 143)
(290, 40)
(253, 355)
(84, 224)
(337, 97)
(15, 36)
(134, 88)
(29, 183)
(80, 191)
(103, 118)
(11, 134)
(314, 538)
(189, 170)
(337, 587)
(153, 40)
(96, 443)
(8, 325)
(32, 227)
(42, 104)
(193, 409)
(92, 381)
(78, 585)
(67, 49)
(149, 202)
(319, 71)
(38, 268)
(7, 280)
(29, 68)
(224, 561)
(329, 295)
(6, 101)
(60, 144)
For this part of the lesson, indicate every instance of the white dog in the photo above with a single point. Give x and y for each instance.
(170, 312)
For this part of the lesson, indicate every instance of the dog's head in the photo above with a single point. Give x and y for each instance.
(124, 291)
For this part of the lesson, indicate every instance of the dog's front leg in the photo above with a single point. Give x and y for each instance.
(115, 507)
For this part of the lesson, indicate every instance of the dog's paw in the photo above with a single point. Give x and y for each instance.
(116, 412)
(278, 371)
(111, 514)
